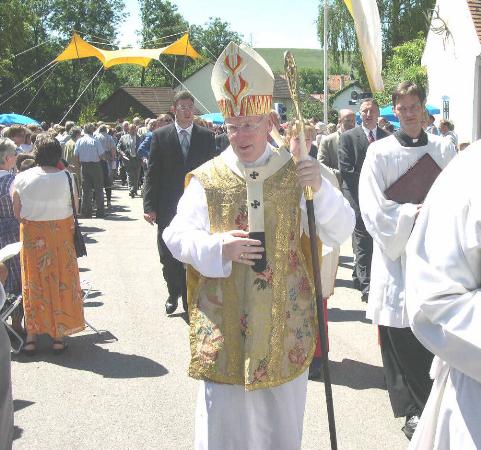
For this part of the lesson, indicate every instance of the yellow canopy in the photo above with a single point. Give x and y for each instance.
(78, 48)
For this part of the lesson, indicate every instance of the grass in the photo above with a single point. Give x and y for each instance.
(305, 58)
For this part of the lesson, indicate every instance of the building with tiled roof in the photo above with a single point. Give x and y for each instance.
(452, 57)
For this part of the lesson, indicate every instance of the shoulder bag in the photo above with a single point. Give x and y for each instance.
(78, 239)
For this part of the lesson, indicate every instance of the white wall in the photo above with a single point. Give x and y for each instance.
(342, 101)
(199, 85)
(451, 66)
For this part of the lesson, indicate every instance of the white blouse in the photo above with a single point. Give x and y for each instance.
(44, 196)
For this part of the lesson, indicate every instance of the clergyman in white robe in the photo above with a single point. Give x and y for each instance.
(227, 416)
(443, 298)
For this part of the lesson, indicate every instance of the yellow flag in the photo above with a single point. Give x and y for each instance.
(368, 31)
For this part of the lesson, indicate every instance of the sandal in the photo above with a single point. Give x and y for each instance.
(33, 348)
(59, 350)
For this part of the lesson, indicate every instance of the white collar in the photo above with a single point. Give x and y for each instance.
(367, 130)
(179, 128)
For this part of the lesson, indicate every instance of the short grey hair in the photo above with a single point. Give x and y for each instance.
(89, 128)
(7, 147)
(75, 131)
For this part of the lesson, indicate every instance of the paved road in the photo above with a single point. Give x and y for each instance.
(128, 389)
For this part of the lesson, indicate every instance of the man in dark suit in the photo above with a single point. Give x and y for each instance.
(176, 149)
(353, 145)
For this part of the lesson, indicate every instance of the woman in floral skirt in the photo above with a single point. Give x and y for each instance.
(50, 277)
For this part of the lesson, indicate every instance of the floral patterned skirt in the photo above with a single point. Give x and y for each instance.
(52, 297)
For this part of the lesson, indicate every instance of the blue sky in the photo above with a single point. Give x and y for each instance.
(265, 23)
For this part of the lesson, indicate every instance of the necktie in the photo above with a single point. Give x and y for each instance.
(371, 137)
(184, 143)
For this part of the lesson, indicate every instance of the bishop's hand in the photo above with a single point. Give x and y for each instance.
(237, 247)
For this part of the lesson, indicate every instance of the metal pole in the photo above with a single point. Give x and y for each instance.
(326, 64)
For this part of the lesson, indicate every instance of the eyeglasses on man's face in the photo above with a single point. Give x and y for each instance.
(246, 127)
(185, 107)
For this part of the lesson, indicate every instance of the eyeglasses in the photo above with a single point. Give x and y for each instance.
(246, 128)
(185, 107)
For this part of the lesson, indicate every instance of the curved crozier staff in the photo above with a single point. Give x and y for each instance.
(290, 69)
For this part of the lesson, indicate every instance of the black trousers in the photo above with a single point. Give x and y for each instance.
(406, 366)
(173, 270)
(362, 245)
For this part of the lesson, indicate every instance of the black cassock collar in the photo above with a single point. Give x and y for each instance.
(407, 141)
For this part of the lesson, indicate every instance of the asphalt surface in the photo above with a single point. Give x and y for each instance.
(127, 388)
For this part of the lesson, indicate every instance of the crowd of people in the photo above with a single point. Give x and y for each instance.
(230, 210)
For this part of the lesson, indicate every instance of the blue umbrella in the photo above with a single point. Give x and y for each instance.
(16, 119)
(213, 117)
(388, 113)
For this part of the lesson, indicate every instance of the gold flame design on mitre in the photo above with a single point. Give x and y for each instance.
(242, 82)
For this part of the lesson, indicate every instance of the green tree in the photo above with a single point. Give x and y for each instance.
(401, 20)
(162, 25)
(311, 81)
(403, 65)
(213, 37)
(47, 26)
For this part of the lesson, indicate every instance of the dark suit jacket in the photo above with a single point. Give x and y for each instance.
(164, 183)
(353, 145)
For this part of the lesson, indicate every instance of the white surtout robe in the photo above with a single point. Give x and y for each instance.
(390, 223)
(443, 282)
(264, 419)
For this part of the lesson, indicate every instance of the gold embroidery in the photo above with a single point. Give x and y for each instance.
(256, 330)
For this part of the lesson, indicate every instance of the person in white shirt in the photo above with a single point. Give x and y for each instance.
(406, 362)
(238, 226)
(443, 300)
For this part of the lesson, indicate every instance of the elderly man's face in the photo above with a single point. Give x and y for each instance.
(132, 129)
(369, 114)
(347, 120)
(248, 136)
(125, 126)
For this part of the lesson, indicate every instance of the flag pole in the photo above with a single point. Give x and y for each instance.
(326, 64)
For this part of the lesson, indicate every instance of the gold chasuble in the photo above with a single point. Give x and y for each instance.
(254, 329)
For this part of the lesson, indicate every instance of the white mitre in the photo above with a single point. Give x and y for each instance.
(242, 82)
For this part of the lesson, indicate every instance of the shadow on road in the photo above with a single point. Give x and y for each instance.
(182, 315)
(345, 284)
(18, 405)
(84, 353)
(115, 217)
(91, 229)
(346, 259)
(88, 304)
(356, 375)
(17, 432)
(347, 262)
(347, 315)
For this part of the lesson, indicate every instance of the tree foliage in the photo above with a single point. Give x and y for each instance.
(34, 32)
(43, 28)
(401, 21)
(162, 25)
(213, 37)
(403, 65)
